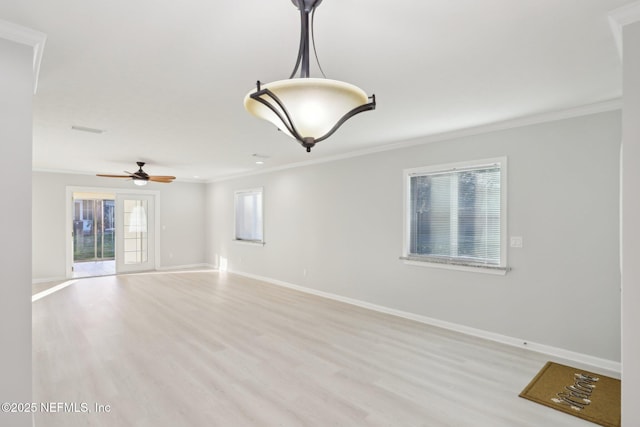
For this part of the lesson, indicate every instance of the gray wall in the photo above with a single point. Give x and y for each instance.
(182, 207)
(341, 223)
(16, 92)
(631, 226)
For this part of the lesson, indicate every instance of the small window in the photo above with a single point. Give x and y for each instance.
(248, 219)
(456, 214)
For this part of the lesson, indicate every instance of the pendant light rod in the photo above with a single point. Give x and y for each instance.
(307, 8)
(304, 43)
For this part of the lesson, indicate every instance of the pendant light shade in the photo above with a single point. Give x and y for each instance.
(307, 109)
(314, 106)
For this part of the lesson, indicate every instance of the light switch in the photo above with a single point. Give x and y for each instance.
(516, 241)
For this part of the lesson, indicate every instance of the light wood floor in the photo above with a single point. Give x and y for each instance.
(214, 349)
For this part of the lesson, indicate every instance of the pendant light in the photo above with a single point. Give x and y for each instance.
(307, 109)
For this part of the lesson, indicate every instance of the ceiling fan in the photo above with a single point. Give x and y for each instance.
(141, 177)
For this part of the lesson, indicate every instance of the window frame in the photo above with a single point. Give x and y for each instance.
(236, 194)
(452, 264)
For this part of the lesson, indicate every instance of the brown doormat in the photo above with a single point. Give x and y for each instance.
(586, 395)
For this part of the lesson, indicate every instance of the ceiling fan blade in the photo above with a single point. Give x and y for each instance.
(162, 179)
(113, 176)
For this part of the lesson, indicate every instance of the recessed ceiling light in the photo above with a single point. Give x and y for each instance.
(260, 158)
(86, 129)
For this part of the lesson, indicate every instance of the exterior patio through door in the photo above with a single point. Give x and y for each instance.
(93, 234)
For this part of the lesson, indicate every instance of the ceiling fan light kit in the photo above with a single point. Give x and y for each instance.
(307, 109)
(141, 177)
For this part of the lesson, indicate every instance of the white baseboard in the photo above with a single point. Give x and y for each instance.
(184, 267)
(48, 279)
(609, 365)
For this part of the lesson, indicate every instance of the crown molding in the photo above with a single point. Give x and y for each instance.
(618, 18)
(23, 35)
(583, 110)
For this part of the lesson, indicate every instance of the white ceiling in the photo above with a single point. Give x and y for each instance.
(166, 79)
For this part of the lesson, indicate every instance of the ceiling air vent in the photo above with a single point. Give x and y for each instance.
(86, 129)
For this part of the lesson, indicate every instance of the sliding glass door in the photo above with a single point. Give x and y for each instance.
(93, 230)
(110, 231)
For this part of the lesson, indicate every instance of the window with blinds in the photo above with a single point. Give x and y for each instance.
(456, 214)
(248, 215)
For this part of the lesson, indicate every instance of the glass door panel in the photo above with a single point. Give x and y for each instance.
(136, 232)
(136, 241)
(93, 234)
(93, 230)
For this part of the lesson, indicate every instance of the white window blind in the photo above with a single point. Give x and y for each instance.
(248, 215)
(456, 215)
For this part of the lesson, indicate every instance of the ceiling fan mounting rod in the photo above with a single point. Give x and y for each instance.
(141, 174)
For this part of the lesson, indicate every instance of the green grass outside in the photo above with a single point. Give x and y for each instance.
(83, 247)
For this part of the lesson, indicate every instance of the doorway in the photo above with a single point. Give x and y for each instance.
(94, 242)
(111, 231)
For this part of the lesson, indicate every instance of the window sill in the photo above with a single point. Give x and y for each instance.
(250, 242)
(475, 268)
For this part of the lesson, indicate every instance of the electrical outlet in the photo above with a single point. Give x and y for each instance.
(516, 241)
